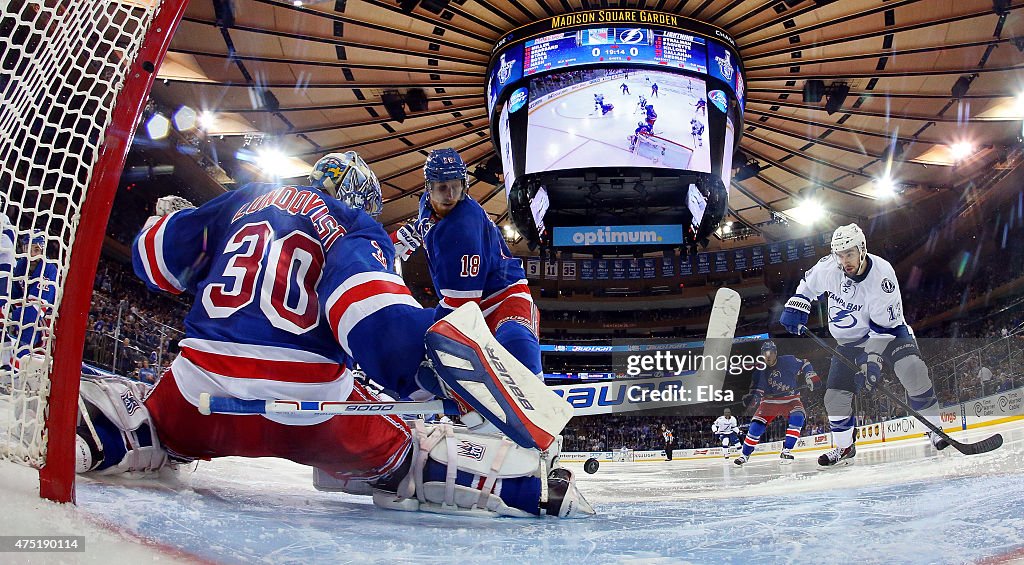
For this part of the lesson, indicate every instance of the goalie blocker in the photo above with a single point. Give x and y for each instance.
(468, 363)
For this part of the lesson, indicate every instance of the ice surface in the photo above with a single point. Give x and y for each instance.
(896, 505)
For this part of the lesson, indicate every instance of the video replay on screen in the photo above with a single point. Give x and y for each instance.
(621, 117)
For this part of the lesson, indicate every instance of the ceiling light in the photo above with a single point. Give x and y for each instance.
(158, 126)
(807, 212)
(184, 119)
(271, 161)
(961, 150)
(885, 187)
(207, 120)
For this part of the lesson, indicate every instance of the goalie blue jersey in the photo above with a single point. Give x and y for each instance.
(290, 287)
(470, 261)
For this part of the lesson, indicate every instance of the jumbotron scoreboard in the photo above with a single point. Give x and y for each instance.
(616, 45)
(588, 102)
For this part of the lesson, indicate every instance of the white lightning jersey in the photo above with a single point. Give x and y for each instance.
(859, 307)
(724, 426)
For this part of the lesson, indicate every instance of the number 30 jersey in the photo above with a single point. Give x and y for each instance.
(869, 304)
(290, 286)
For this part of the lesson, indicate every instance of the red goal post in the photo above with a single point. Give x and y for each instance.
(95, 60)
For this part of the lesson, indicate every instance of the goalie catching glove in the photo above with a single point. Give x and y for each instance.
(469, 364)
(171, 204)
(453, 471)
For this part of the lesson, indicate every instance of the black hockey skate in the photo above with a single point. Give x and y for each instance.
(837, 457)
(786, 457)
(564, 501)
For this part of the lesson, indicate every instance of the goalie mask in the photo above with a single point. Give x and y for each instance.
(348, 178)
(445, 178)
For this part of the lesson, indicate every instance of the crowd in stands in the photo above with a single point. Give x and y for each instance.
(132, 331)
(643, 433)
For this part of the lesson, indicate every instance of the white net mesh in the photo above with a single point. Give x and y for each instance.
(62, 66)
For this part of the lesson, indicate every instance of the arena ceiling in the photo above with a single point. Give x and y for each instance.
(935, 91)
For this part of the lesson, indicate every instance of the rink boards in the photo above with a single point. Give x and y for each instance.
(990, 410)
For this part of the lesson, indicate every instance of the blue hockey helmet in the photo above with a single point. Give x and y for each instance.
(769, 346)
(35, 237)
(348, 178)
(445, 165)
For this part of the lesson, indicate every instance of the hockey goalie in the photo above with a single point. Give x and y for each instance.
(294, 286)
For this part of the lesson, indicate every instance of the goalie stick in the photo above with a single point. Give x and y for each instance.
(984, 446)
(226, 405)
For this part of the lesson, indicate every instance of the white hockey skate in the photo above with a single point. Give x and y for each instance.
(837, 457)
(938, 441)
(785, 458)
(491, 458)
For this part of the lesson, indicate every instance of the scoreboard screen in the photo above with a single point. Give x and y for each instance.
(618, 98)
(638, 46)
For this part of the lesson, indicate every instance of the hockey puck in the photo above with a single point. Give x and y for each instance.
(591, 466)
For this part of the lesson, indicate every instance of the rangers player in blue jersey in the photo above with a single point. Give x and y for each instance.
(293, 287)
(469, 259)
(774, 390)
(865, 316)
(33, 290)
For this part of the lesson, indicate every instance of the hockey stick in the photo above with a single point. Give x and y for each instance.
(226, 405)
(984, 446)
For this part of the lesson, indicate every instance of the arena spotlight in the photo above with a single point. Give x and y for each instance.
(962, 85)
(184, 119)
(158, 126)
(885, 187)
(814, 89)
(271, 160)
(837, 94)
(485, 175)
(961, 150)
(808, 212)
(206, 120)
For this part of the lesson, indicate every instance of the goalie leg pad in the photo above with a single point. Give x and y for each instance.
(454, 471)
(115, 431)
(471, 364)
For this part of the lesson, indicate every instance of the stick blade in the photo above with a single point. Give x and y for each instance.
(984, 446)
(718, 344)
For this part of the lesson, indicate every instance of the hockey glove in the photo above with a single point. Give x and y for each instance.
(870, 372)
(798, 309)
(751, 400)
(406, 241)
(812, 379)
(171, 204)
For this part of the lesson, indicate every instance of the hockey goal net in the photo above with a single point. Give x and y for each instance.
(663, 152)
(74, 76)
